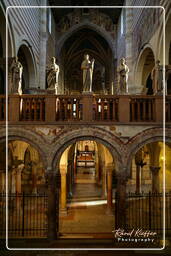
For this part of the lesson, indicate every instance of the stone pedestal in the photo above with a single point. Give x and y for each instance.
(87, 106)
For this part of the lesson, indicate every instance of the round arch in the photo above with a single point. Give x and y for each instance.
(31, 138)
(112, 143)
(143, 138)
(85, 24)
(71, 57)
(27, 59)
(144, 66)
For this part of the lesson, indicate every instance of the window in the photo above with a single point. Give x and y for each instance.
(49, 20)
(122, 23)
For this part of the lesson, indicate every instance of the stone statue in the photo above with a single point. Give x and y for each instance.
(87, 66)
(17, 71)
(156, 76)
(53, 75)
(123, 71)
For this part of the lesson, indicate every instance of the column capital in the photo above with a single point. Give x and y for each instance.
(155, 169)
(50, 176)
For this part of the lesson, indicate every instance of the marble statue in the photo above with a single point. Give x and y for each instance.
(17, 71)
(53, 75)
(156, 76)
(87, 66)
(123, 71)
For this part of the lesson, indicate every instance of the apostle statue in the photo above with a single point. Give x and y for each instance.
(53, 75)
(123, 71)
(87, 66)
(156, 76)
(16, 71)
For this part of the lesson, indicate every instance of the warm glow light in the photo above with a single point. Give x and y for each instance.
(162, 158)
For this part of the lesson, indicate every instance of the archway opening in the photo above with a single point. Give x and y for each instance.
(88, 182)
(143, 72)
(26, 59)
(72, 54)
(24, 157)
(145, 187)
(145, 160)
(26, 186)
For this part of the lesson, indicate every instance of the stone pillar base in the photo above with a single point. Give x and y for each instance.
(109, 212)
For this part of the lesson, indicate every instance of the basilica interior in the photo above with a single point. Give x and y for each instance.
(85, 122)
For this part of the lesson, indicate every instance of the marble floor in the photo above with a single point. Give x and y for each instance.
(86, 212)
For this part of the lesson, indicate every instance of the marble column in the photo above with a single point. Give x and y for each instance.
(109, 209)
(63, 208)
(51, 179)
(138, 178)
(103, 180)
(155, 178)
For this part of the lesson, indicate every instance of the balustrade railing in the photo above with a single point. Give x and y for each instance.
(142, 109)
(85, 108)
(32, 108)
(106, 108)
(68, 108)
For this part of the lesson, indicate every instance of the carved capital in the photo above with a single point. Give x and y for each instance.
(154, 169)
(51, 177)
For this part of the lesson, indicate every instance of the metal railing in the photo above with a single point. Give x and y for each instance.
(145, 211)
(27, 215)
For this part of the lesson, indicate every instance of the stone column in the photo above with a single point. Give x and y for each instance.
(155, 178)
(18, 178)
(63, 208)
(138, 178)
(51, 179)
(129, 45)
(34, 179)
(103, 179)
(2, 181)
(109, 189)
(13, 180)
(70, 180)
(43, 45)
(120, 202)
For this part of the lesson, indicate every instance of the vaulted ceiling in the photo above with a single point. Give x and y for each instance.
(113, 13)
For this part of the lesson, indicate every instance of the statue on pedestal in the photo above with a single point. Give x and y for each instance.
(156, 76)
(87, 66)
(53, 75)
(123, 71)
(17, 71)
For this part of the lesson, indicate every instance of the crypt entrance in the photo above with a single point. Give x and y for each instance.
(86, 196)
